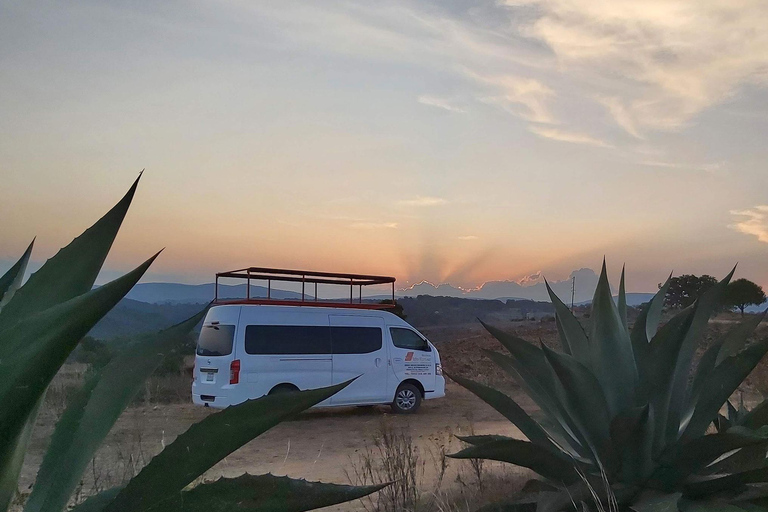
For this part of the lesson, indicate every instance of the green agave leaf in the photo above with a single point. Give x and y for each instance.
(718, 483)
(478, 440)
(645, 329)
(705, 306)
(554, 466)
(539, 383)
(654, 501)
(632, 441)
(657, 384)
(510, 410)
(708, 506)
(97, 502)
(695, 455)
(39, 345)
(613, 361)
(622, 303)
(11, 280)
(737, 337)
(584, 400)
(744, 459)
(704, 368)
(264, 493)
(88, 420)
(757, 417)
(723, 381)
(72, 271)
(207, 442)
(12, 454)
(572, 336)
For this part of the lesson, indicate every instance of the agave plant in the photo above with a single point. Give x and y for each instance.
(42, 321)
(625, 415)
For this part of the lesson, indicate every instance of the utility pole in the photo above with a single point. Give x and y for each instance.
(573, 291)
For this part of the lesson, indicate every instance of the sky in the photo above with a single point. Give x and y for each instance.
(447, 141)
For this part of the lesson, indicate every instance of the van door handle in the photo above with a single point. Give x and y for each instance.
(377, 361)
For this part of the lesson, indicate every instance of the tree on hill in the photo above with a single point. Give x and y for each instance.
(684, 290)
(742, 293)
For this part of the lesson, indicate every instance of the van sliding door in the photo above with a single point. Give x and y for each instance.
(359, 351)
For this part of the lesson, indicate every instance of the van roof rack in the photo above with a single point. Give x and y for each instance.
(306, 277)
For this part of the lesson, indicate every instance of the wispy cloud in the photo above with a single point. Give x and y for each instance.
(434, 101)
(566, 136)
(754, 221)
(424, 201)
(711, 167)
(524, 97)
(468, 237)
(374, 225)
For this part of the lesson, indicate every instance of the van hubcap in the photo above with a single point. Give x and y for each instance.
(405, 399)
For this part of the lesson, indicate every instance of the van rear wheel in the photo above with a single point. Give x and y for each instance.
(407, 399)
(283, 388)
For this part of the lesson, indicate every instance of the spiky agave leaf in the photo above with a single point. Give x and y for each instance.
(656, 432)
(205, 443)
(88, 420)
(11, 280)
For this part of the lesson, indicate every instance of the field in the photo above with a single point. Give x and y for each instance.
(341, 445)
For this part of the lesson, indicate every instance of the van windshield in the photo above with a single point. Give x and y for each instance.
(215, 340)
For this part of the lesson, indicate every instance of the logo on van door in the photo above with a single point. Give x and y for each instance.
(409, 356)
(418, 365)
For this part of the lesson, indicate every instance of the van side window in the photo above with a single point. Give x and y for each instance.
(215, 340)
(406, 338)
(355, 340)
(287, 339)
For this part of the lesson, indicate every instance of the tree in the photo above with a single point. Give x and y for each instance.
(684, 290)
(742, 293)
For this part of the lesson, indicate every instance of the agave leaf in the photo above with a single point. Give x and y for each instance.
(584, 400)
(695, 455)
(757, 417)
(645, 329)
(554, 466)
(706, 305)
(632, 441)
(72, 271)
(12, 454)
(88, 420)
(263, 493)
(97, 502)
(658, 379)
(478, 440)
(718, 483)
(708, 506)
(737, 337)
(207, 442)
(654, 501)
(744, 459)
(622, 303)
(40, 344)
(510, 410)
(572, 336)
(534, 380)
(704, 368)
(613, 362)
(723, 381)
(11, 280)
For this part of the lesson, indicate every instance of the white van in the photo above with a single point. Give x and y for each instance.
(246, 351)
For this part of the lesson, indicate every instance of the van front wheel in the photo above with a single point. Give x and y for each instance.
(407, 399)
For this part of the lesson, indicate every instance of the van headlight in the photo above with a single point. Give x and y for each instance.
(438, 369)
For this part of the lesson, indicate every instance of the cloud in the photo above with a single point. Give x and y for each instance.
(424, 201)
(374, 225)
(523, 97)
(711, 167)
(468, 237)
(754, 222)
(664, 60)
(434, 101)
(565, 136)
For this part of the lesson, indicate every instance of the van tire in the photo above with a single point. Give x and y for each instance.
(283, 388)
(407, 399)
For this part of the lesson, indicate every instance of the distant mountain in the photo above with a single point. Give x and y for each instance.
(585, 284)
(176, 293)
(131, 317)
(633, 299)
